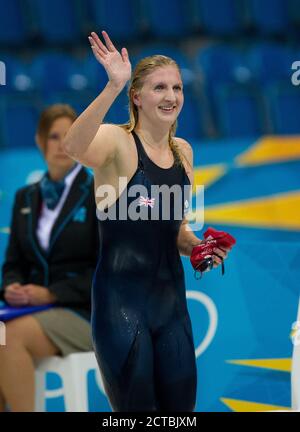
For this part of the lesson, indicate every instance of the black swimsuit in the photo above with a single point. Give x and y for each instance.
(141, 327)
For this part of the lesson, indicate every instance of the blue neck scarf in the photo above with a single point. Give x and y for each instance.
(52, 190)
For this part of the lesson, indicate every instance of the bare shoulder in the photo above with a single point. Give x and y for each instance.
(111, 132)
(112, 138)
(186, 148)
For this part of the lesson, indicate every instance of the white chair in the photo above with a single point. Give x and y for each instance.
(73, 370)
(295, 375)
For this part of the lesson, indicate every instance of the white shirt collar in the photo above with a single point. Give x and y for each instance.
(71, 176)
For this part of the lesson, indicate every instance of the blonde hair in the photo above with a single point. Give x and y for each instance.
(46, 120)
(141, 71)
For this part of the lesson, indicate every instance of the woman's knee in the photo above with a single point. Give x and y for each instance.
(18, 331)
(25, 332)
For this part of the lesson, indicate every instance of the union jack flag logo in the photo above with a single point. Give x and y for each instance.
(147, 202)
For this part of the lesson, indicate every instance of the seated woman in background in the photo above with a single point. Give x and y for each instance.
(50, 259)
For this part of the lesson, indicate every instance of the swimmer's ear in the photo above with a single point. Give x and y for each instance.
(136, 98)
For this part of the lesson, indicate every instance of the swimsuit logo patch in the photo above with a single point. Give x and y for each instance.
(147, 202)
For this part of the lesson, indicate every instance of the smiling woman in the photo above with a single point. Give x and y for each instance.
(142, 332)
(156, 90)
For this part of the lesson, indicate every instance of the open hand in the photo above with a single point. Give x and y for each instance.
(117, 65)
